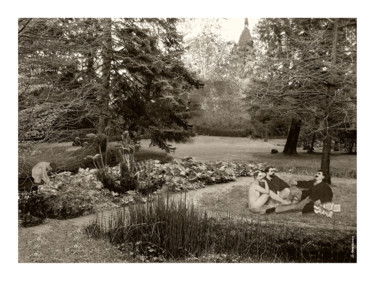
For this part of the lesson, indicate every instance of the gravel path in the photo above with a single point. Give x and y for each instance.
(192, 196)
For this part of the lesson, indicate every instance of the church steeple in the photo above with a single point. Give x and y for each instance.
(245, 38)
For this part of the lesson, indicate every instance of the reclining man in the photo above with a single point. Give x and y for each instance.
(315, 191)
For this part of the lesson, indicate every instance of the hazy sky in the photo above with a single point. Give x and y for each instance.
(232, 27)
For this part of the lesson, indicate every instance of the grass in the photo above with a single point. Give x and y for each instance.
(67, 243)
(64, 243)
(212, 131)
(244, 150)
(171, 231)
(202, 148)
(342, 165)
(233, 199)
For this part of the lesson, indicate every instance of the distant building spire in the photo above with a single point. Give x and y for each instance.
(245, 38)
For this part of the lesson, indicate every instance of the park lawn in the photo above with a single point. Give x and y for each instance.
(244, 150)
(234, 201)
(342, 165)
(203, 148)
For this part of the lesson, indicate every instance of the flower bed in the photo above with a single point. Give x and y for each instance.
(69, 195)
(187, 174)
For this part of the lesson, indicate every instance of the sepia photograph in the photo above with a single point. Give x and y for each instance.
(172, 142)
(187, 139)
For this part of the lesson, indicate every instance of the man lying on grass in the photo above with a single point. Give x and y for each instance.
(259, 195)
(314, 192)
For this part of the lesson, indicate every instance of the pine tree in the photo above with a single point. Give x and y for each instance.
(124, 73)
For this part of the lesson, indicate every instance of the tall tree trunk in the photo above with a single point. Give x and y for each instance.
(325, 161)
(265, 135)
(326, 157)
(106, 70)
(293, 135)
(311, 149)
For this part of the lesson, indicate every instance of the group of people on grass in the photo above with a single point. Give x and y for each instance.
(268, 193)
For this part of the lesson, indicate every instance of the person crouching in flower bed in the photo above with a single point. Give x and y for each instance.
(259, 195)
(39, 172)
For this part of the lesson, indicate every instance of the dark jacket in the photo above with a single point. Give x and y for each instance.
(276, 184)
(321, 191)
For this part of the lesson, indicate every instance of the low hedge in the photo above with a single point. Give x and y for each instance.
(221, 132)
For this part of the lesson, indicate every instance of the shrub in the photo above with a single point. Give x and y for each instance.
(31, 208)
(145, 179)
(149, 180)
(180, 175)
(129, 180)
(108, 181)
(62, 206)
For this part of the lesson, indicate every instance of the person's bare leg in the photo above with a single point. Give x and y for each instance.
(293, 207)
(272, 203)
(284, 194)
(295, 193)
(259, 202)
(276, 197)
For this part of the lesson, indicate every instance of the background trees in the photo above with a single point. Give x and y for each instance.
(308, 73)
(224, 67)
(127, 71)
(136, 75)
